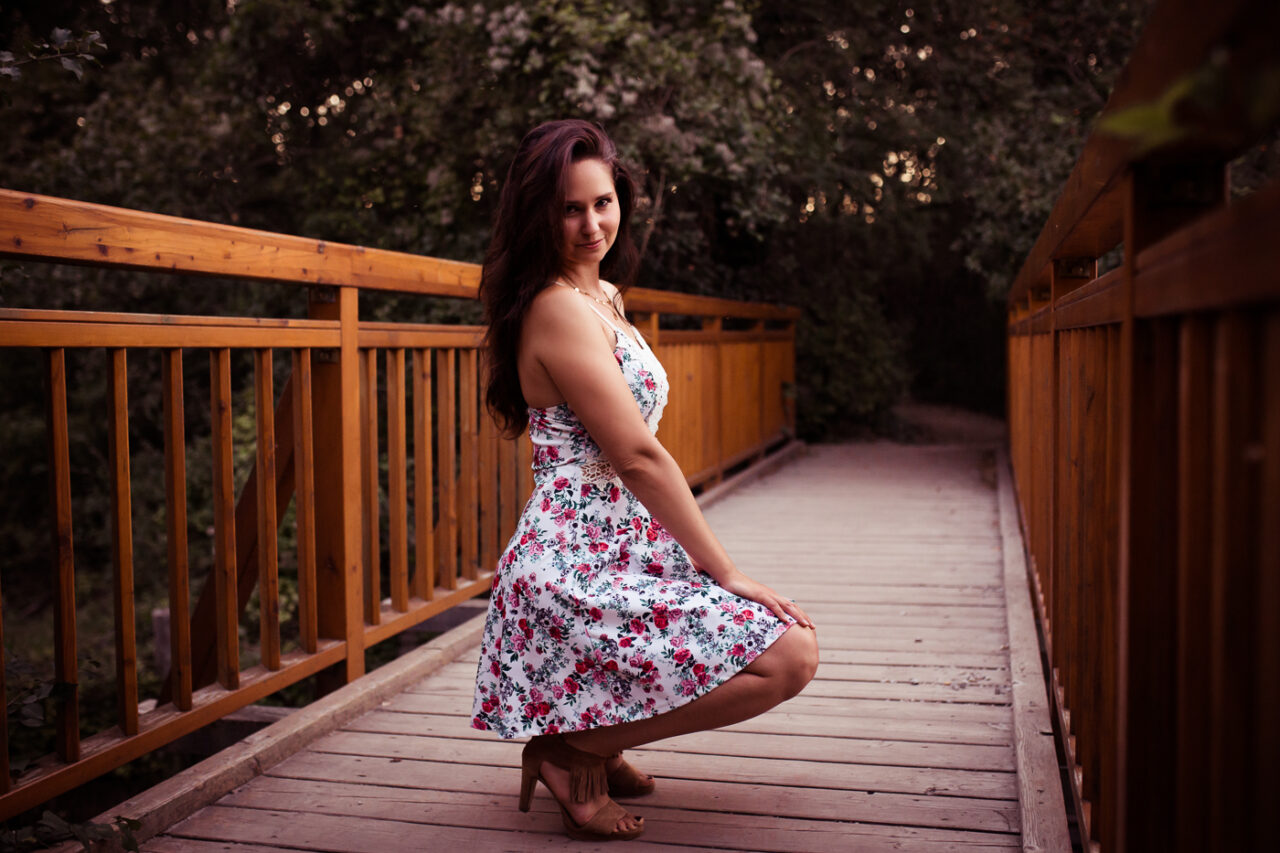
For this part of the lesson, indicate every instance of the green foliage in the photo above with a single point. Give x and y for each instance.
(1218, 103)
(884, 165)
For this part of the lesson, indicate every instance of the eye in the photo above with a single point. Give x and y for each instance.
(604, 202)
(570, 209)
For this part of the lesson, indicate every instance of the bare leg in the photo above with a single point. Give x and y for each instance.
(779, 673)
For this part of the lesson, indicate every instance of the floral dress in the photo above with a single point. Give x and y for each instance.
(597, 615)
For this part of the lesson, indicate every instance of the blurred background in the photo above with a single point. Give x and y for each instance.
(884, 165)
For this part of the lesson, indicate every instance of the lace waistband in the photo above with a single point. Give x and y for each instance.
(594, 471)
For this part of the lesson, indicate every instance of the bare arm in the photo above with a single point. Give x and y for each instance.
(565, 337)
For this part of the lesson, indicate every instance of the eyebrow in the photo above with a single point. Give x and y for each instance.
(597, 198)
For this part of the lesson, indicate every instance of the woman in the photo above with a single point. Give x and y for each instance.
(617, 618)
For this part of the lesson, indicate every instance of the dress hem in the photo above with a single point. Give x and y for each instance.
(702, 690)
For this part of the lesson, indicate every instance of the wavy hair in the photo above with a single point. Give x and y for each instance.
(524, 256)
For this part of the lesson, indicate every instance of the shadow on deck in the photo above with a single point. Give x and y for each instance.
(908, 739)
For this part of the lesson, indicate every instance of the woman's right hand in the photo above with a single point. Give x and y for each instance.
(782, 607)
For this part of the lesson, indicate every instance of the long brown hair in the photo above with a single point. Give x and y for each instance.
(524, 256)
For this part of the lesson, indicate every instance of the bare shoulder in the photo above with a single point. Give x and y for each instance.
(558, 314)
(611, 290)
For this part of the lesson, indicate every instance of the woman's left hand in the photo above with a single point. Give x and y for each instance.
(782, 607)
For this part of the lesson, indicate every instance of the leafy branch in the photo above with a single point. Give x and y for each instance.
(70, 52)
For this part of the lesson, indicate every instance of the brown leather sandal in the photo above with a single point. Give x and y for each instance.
(587, 780)
(626, 781)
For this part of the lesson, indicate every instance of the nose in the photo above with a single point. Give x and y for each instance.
(591, 222)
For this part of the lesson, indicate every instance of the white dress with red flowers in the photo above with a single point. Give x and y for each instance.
(597, 615)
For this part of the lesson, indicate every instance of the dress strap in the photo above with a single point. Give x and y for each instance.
(603, 316)
(608, 320)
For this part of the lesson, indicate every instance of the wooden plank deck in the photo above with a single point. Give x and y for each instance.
(904, 741)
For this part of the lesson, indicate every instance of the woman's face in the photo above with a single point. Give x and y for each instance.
(591, 214)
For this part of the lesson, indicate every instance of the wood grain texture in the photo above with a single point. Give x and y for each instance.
(56, 229)
(424, 529)
(832, 769)
(371, 531)
(226, 622)
(397, 484)
(175, 486)
(65, 669)
(1040, 794)
(5, 781)
(468, 465)
(304, 496)
(446, 471)
(122, 543)
(268, 527)
(308, 448)
(1086, 218)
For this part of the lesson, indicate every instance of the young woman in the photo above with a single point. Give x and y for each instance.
(617, 618)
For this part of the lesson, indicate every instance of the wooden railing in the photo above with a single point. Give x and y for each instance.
(1144, 412)
(320, 444)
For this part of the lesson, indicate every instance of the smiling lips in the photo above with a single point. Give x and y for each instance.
(594, 244)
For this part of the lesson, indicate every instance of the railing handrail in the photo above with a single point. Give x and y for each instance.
(47, 228)
(1087, 218)
(730, 403)
(1144, 426)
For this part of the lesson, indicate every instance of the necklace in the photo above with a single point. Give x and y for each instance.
(599, 299)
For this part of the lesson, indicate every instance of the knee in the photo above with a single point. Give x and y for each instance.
(802, 663)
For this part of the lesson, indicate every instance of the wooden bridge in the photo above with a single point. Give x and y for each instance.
(1144, 441)
(916, 734)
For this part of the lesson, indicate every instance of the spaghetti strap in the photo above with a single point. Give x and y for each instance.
(601, 315)
(637, 340)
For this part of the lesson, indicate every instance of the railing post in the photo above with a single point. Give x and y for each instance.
(335, 386)
(1068, 404)
(1158, 199)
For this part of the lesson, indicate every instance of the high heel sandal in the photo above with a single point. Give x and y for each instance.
(587, 780)
(626, 781)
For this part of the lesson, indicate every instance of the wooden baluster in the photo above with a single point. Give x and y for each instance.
(204, 668)
(1065, 422)
(4, 713)
(369, 479)
(175, 489)
(1234, 497)
(1266, 785)
(122, 544)
(305, 498)
(647, 323)
(1195, 474)
(397, 488)
(424, 577)
(488, 502)
(336, 389)
(1158, 199)
(224, 522)
(66, 671)
(469, 469)
(1094, 540)
(268, 538)
(446, 474)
